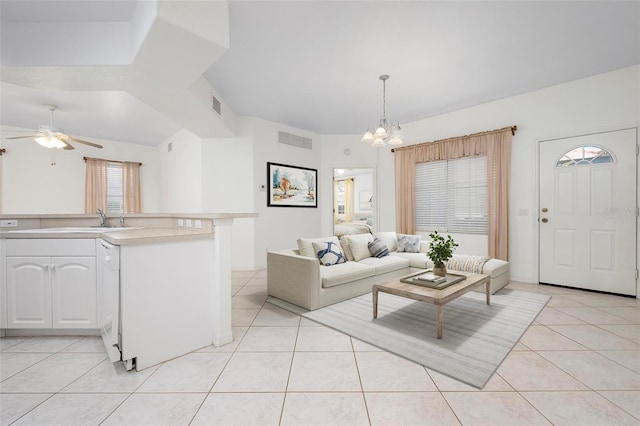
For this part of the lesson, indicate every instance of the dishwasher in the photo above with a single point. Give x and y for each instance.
(109, 288)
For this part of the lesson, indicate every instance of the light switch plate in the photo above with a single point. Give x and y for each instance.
(180, 222)
(197, 224)
(188, 223)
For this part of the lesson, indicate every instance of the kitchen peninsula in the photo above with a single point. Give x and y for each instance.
(158, 285)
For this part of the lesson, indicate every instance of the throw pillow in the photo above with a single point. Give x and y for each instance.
(389, 238)
(344, 243)
(378, 248)
(409, 243)
(359, 244)
(305, 245)
(329, 253)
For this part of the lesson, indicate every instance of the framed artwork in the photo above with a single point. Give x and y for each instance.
(291, 186)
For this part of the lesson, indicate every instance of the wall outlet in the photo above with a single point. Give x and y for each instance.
(180, 222)
(197, 224)
(188, 223)
(9, 223)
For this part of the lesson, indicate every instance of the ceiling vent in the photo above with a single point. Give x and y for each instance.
(295, 140)
(215, 104)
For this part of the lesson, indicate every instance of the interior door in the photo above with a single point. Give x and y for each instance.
(588, 212)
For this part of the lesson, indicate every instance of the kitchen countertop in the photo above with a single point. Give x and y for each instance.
(139, 234)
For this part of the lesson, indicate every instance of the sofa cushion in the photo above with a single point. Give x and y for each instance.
(385, 264)
(345, 273)
(408, 243)
(359, 244)
(305, 245)
(389, 238)
(495, 267)
(377, 248)
(416, 260)
(346, 248)
(329, 253)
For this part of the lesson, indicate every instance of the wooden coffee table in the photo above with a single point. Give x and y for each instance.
(430, 295)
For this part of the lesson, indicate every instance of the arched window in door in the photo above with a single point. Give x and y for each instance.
(585, 156)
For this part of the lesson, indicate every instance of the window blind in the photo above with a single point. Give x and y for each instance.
(114, 188)
(451, 196)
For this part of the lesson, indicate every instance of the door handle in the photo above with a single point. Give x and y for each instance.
(544, 210)
(545, 220)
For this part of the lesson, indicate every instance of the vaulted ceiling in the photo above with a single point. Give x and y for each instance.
(138, 71)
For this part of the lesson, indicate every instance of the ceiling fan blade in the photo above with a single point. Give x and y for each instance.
(67, 146)
(95, 145)
(22, 137)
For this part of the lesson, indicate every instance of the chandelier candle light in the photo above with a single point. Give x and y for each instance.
(385, 132)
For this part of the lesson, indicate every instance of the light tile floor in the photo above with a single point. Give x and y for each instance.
(578, 364)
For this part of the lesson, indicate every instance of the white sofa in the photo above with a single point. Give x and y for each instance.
(298, 277)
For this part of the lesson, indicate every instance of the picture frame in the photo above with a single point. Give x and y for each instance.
(291, 186)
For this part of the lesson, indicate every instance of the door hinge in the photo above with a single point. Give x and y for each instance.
(636, 274)
(637, 149)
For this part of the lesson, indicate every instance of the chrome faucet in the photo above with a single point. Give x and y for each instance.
(103, 217)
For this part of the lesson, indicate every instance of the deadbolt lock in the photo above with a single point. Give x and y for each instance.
(544, 210)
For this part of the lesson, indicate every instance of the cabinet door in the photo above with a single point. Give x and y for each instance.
(73, 292)
(28, 292)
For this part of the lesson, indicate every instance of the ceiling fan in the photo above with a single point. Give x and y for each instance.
(50, 136)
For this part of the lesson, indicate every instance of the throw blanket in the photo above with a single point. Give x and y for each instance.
(473, 264)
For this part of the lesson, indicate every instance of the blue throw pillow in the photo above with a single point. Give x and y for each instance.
(378, 248)
(329, 253)
(409, 243)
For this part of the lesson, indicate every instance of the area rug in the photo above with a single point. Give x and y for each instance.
(476, 337)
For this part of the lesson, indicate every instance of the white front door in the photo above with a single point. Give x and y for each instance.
(588, 212)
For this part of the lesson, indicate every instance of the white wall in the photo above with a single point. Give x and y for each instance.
(181, 173)
(228, 187)
(280, 227)
(31, 185)
(604, 102)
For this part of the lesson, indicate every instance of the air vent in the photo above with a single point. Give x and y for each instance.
(215, 104)
(295, 140)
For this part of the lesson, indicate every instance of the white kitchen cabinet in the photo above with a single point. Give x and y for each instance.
(51, 291)
(28, 292)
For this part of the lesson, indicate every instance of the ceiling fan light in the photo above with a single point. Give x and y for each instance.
(50, 142)
(367, 137)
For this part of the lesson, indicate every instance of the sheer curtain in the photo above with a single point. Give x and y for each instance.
(131, 187)
(95, 185)
(348, 200)
(496, 145)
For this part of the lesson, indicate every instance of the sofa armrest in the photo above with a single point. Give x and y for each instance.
(293, 278)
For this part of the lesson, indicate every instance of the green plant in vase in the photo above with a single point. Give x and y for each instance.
(440, 250)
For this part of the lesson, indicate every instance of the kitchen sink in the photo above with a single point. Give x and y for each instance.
(76, 229)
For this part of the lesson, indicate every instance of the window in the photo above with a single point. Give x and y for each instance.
(585, 156)
(451, 196)
(115, 202)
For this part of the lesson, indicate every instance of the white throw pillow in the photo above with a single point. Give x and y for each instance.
(359, 245)
(345, 247)
(389, 238)
(305, 245)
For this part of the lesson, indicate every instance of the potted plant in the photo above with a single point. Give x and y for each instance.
(440, 250)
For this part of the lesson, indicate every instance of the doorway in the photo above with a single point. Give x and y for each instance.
(353, 201)
(588, 212)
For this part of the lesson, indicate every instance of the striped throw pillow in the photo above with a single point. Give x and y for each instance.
(378, 248)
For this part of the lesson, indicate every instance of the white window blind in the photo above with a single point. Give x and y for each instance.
(451, 196)
(114, 188)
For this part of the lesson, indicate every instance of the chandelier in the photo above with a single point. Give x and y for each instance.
(385, 132)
